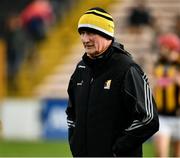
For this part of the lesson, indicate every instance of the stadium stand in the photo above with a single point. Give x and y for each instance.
(57, 55)
(55, 84)
(140, 45)
(27, 77)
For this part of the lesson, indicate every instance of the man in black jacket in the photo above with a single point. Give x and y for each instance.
(111, 109)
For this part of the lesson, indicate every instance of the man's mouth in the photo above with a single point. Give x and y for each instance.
(88, 46)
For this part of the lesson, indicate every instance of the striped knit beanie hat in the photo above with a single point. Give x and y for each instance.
(97, 20)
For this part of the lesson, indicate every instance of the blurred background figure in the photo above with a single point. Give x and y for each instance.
(16, 43)
(167, 95)
(36, 18)
(139, 17)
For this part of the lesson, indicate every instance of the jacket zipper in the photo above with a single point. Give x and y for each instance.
(89, 92)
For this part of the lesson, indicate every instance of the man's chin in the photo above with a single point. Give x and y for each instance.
(90, 52)
(92, 55)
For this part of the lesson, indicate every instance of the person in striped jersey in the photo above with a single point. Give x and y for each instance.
(167, 95)
(111, 109)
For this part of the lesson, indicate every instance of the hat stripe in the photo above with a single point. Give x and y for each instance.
(95, 13)
(96, 28)
(99, 12)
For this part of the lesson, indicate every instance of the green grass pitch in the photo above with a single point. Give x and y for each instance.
(47, 149)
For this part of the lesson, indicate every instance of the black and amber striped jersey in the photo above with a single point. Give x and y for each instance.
(167, 91)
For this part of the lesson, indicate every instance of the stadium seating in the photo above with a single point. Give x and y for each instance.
(55, 84)
(53, 50)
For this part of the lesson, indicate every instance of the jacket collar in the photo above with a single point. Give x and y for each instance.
(98, 60)
(101, 60)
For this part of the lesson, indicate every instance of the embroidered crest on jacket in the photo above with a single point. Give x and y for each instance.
(107, 84)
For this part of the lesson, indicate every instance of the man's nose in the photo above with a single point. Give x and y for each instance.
(85, 37)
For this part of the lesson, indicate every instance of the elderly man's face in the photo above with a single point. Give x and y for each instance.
(94, 44)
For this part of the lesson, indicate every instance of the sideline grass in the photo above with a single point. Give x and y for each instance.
(34, 149)
(47, 149)
(148, 149)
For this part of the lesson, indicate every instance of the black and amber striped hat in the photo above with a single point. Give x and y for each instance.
(97, 20)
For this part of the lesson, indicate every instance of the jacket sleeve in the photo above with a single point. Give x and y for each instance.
(70, 110)
(143, 117)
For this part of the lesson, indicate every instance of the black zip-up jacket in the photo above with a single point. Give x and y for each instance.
(111, 109)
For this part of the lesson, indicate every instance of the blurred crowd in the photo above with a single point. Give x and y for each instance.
(165, 73)
(23, 29)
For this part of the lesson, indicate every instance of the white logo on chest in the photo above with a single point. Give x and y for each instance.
(80, 83)
(107, 84)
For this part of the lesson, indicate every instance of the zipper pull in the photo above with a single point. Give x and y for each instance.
(91, 80)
